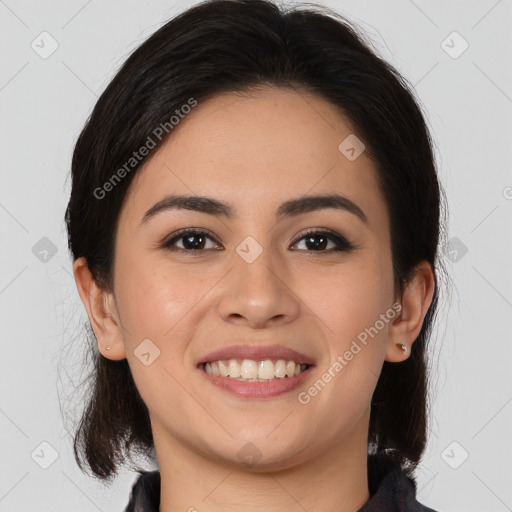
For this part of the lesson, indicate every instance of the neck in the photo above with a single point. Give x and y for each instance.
(334, 480)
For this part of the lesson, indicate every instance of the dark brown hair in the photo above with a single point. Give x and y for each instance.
(233, 46)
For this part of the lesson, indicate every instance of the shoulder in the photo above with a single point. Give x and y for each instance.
(391, 489)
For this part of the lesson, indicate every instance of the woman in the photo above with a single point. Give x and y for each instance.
(254, 222)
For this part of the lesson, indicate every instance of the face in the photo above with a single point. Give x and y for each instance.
(311, 280)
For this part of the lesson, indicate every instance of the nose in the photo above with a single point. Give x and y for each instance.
(258, 294)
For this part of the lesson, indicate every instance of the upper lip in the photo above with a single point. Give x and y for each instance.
(256, 353)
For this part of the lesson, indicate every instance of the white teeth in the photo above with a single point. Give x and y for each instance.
(223, 369)
(280, 368)
(250, 370)
(266, 370)
(234, 369)
(215, 369)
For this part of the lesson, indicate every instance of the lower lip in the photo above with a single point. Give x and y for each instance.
(270, 389)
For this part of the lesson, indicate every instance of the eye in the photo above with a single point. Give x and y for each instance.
(195, 240)
(318, 240)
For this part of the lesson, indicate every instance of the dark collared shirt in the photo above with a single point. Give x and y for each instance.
(391, 490)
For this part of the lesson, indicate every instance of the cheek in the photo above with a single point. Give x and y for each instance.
(155, 305)
(350, 305)
(348, 298)
(354, 304)
(152, 297)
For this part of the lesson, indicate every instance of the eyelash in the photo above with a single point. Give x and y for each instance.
(342, 244)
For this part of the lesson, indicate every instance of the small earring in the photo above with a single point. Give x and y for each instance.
(107, 348)
(403, 347)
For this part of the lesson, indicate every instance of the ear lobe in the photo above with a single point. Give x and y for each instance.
(101, 311)
(416, 300)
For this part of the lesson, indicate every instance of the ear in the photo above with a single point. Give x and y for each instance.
(102, 312)
(416, 299)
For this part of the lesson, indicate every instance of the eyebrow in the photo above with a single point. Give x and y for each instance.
(293, 207)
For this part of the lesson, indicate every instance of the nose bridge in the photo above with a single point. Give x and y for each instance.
(256, 266)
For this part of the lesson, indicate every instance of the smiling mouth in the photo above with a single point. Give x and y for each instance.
(249, 370)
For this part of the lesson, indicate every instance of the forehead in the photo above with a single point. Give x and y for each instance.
(256, 151)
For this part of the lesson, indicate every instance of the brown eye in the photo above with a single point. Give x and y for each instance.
(317, 241)
(193, 240)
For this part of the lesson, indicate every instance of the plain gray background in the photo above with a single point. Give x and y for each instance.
(44, 103)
